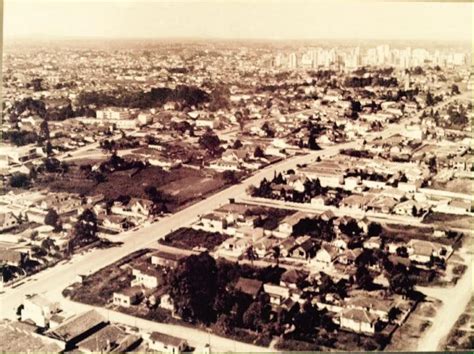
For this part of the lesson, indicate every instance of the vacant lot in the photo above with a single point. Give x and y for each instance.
(181, 185)
(97, 289)
(188, 238)
(407, 336)
(404, 233)
(458, 185)
(449, 220)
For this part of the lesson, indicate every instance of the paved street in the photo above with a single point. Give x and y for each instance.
(455, 300)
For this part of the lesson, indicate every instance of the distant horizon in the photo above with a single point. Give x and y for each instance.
(289, 41)
(277, 20)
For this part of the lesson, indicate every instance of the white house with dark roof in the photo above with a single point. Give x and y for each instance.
(165, 343)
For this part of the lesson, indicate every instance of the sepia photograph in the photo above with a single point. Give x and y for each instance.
(211, 176)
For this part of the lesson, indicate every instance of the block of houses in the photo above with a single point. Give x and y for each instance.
(39, 310)
(164, 343)
(127, 297)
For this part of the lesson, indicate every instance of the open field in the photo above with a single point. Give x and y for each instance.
(458, 185)
(449, 220)
(181, 185)
(407, 336)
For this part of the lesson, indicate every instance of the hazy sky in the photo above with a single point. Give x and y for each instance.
(273, 19)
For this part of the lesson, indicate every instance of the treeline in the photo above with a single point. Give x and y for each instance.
(38, 107)
(356, 81)
(186, 95)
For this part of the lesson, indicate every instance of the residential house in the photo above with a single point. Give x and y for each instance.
(77, 328)
(13, 257)
(114, 223)
(349, 256)
(8, 221)
(166, 302)
(381, 204)
(292, 277)
(39, 310)
(373, 243)
(422, 251)
(166, 259)
(325, 256)
(354, 202)
(265, 246)
(235, 246)
(138, 208)
(303, 251)
(251, 287)
(375, 305)
(213, 222)
(407, 207)
(147, 276)
(287, 224)
(108, 339)
(287, 246)
(358, 321)
(127, 297)
(164, 343)
(278, 294)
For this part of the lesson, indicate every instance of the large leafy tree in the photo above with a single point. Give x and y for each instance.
(193, 288)
(85, 229)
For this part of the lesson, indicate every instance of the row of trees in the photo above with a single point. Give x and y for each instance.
(359, 82)
(186, 95)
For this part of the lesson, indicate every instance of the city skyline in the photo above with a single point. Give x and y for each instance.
(305, 20)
